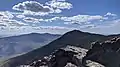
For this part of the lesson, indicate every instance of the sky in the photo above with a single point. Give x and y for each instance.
(59, 16)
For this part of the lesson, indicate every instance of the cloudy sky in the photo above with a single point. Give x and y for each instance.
(59, 16)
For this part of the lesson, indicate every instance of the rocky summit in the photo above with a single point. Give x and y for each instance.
(101, 54)
(69, 56)
(106, 53)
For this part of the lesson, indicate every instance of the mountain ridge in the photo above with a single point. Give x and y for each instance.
(23, 43)
(73, 38)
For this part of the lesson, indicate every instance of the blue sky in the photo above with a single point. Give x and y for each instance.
(81, 6)
(59, 16)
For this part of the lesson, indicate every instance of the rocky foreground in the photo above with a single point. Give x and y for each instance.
(69, 56)
(105, 54)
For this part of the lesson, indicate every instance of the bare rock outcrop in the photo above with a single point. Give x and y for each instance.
(104, 54)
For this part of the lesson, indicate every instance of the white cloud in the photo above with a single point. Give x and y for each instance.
(59, 4)
(78, 19)
(110, 14)
(20, 16)
(31, 19)
(35, 13)
(58, 0)
(7, 22)
(115, 22)
(11, 26)
(56, 11)
(35, 8)
(111, 28)
(89, 26)
(5, 15)
(35, 20)
(54, 27)
(61, 0)
(15, 23)
(10, 23)
(52, 19)
(31, 6)
(82, 19)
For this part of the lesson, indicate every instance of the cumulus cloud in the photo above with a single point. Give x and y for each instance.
(35, 13)
(5, 15)
(52, 19)
(31, 6)
(35, 8)
(58, 0)
(59, 4)
(15, 23)
(42, 13)
(80, 19)
(69, 20)
(35, 20)
(3, 24)
(6, 19)
(110, 14)
(20, 16)
(61, 0)
(8, 23)
(11, 26)
(31, 19)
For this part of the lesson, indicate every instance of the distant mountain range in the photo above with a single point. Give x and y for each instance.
(73, 38)
(14, 45)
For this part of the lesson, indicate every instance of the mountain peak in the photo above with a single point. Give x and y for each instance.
(75, 31)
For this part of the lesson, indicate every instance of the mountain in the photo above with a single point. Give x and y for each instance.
(14, 45)
(73, 38)
(105, 54)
